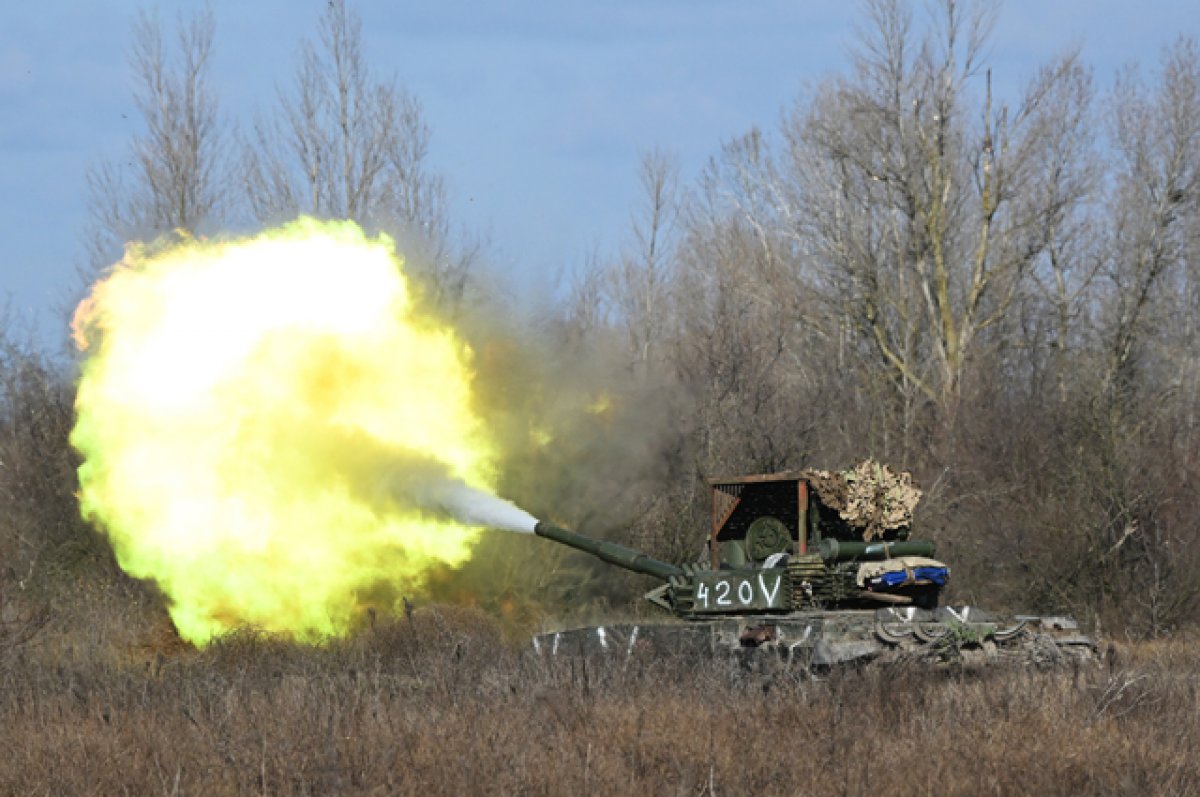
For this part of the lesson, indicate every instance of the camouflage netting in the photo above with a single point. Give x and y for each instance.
(868, 496)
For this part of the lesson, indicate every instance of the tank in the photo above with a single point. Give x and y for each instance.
(784, 573)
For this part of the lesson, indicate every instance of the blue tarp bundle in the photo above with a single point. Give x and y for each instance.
(896, 578)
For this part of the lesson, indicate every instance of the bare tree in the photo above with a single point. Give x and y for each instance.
(742, 342)
(927, 210)
(1154, 207)
(345, 145)
(586, 309)
(640, 280)
(175, 178)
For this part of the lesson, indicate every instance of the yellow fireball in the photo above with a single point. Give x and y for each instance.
(248, 413)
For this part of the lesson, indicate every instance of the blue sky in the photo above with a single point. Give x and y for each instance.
(539, 111)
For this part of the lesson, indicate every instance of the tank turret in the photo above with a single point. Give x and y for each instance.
(773, 549)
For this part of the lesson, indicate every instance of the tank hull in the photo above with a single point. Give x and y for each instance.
(963, 635)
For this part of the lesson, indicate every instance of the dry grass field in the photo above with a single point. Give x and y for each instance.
(443, 703)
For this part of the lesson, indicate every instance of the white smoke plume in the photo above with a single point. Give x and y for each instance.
(410, 479)
(474, 507)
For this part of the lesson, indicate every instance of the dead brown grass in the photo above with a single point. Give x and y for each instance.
(441, 704)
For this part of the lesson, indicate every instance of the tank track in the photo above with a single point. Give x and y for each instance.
(948, 636)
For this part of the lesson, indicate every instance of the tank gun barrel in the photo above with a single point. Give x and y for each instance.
(848, 550)
(610, 552)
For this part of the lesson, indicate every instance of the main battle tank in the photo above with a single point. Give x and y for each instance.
(785, 573)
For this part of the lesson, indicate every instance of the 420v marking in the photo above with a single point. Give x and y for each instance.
(763, 590)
